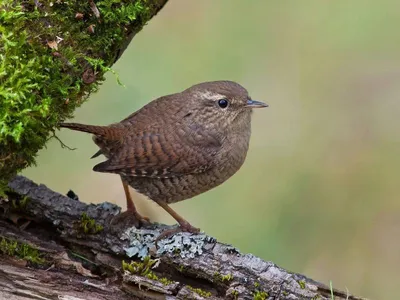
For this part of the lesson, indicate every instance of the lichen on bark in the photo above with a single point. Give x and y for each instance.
(53, 55)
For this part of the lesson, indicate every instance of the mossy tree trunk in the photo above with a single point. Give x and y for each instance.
(53, 55)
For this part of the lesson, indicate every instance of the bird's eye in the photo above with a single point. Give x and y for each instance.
(223, 103)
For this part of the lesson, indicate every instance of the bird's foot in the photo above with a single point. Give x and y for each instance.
(142, 219)
(183, 227)
(128, 219)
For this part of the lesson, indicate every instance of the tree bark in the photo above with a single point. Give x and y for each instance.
(80, 257)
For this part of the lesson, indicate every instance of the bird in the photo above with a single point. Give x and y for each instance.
(177, 146)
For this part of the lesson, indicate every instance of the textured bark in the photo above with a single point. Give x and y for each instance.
(88, 266)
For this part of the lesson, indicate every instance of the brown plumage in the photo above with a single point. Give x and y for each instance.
(180, 145)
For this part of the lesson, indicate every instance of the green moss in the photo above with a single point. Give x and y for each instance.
(226, 278)
(50, 63)
(181, 268)
(89, 225)
(21, 204)
(258, 295)
(165, 281)
(302, 284)
(222, 278)
(23, 251)
(235, 294)
(143, 268)
(200, 292)
(256, 284)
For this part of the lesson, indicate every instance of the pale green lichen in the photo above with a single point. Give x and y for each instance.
(50, 62)
(186, 245)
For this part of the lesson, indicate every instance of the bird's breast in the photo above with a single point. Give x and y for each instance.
(233, 153)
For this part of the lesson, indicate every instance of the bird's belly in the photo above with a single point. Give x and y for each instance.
(179, 188)
(183, 187)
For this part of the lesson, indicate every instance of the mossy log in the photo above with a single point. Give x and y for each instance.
(53, 55)
(56, 247)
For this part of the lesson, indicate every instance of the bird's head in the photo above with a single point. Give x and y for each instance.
(222, 104)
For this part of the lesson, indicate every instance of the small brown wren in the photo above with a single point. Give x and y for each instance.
(178, 146)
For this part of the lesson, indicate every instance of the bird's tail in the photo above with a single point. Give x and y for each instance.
(108, 132)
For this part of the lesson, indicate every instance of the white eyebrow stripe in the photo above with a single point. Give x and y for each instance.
(210, 96)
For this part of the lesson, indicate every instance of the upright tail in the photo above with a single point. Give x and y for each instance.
(108, 132)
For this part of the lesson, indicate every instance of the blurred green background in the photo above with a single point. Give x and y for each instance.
(319, 192)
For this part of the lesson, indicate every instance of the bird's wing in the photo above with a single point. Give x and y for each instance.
(164, 153)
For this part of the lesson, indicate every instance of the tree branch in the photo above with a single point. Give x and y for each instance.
(80, 255)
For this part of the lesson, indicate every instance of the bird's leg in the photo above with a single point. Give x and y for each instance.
(183, 224)
(130, 206)
(130, 216)
(129, 202)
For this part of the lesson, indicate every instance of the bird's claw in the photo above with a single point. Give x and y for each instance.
(128, 219)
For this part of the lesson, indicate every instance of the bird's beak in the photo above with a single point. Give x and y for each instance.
(255, 104)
